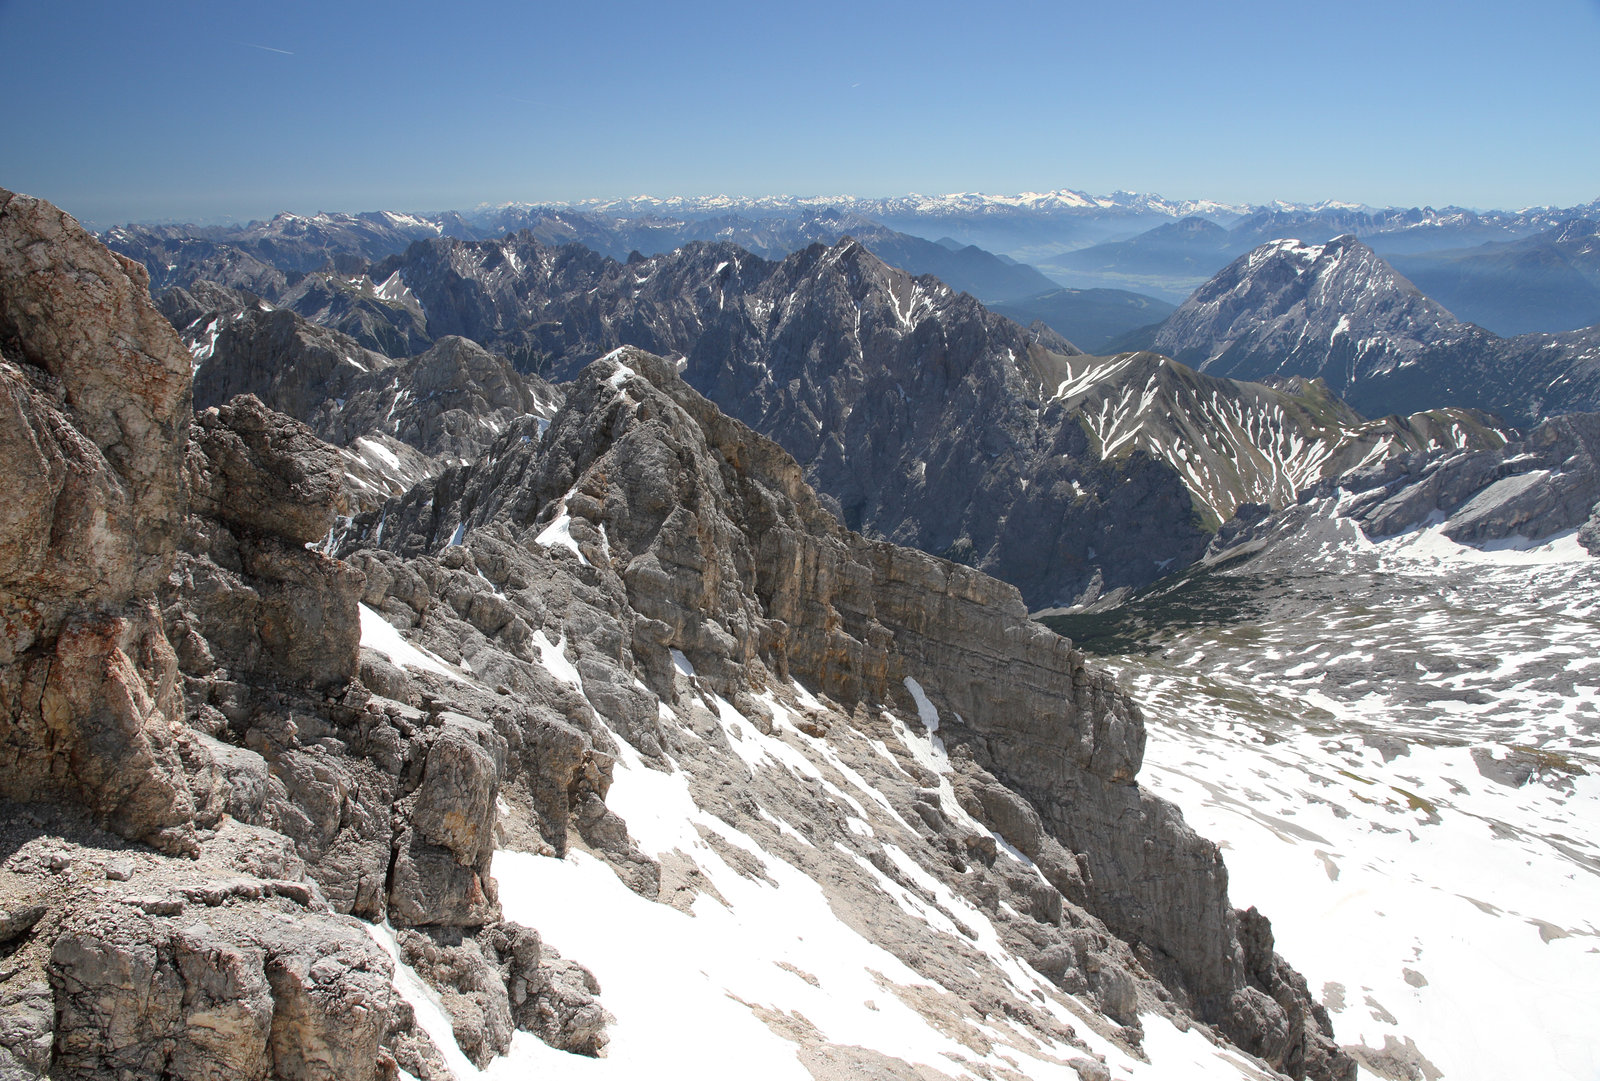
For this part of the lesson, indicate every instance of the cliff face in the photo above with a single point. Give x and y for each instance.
(220, 764)
(699, 539)
(97, 407)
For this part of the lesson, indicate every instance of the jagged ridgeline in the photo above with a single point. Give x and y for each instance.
(918, 415)
(618, 682)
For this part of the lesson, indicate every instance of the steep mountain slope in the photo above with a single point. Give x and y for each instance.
(394, 421)
(1245, 443)
(314, 265)
(920, 416)
(183, 863)
(759, 668)
(908, 403)
(1397, 728)
(293, 244)
(1339, 312)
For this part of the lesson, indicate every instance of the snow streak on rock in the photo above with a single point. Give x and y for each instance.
(1233, 442)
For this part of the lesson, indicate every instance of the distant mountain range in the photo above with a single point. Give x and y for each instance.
(312, 263)
(1498, 282)
(1548, 281)
(918, 414)
(1144, 245)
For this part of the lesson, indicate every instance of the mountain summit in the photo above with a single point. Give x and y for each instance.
(1339, 312)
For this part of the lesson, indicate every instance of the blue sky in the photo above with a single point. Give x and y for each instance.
(179, 109)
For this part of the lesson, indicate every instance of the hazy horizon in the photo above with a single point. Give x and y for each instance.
(224, 221)
(188, 111)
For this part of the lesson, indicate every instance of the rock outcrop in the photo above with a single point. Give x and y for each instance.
(179, 670)
(1544, 483)
(96, 413)
(397, 421)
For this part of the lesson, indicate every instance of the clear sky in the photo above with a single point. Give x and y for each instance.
(203, 109)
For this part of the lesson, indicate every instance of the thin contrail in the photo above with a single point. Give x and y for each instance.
(266, 48)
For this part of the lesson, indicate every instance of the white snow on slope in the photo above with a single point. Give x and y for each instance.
(1337, 747)
(378, 635)
(764, 956)
(1227, 448)
(558, 534)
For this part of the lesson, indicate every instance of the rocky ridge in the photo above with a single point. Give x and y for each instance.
(724, 568)
(1237, 444)
(919, 416)
(869, 377)
(395, 421)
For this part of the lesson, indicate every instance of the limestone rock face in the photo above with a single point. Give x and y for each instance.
(263, 487)
(219, 998)
(228, 964)
(94, 408)
(82, 316)
(395, 421)
(450, 401)
(634, 584)
(919, 415)
(179, 668)
(502, 978)
(96, 720)
(290, 364)
(670, 530)
(252, 468)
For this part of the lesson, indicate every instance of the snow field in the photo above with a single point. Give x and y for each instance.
(1337, 748)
